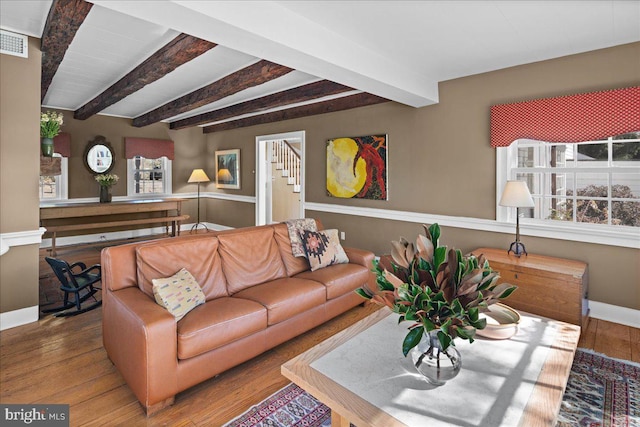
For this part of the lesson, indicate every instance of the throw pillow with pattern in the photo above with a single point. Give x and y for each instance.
(179, 294)
(323, 248)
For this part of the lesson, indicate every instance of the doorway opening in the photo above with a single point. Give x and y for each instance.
(279, 177)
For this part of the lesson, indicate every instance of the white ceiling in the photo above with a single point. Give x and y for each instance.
(399, 50)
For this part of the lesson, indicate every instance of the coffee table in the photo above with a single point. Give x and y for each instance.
(361, 374)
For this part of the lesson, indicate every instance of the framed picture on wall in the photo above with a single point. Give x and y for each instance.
(357, 167)
(228, 169)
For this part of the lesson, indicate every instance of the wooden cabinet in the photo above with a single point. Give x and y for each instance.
(551, 287)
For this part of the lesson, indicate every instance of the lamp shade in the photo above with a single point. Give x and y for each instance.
(516, 194)
(198, 175)
(224, 175)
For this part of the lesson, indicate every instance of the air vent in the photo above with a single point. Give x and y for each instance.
(13, 44)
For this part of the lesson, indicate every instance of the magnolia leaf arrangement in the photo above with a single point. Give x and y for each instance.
(436, 288)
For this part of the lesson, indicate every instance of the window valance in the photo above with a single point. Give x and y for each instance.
(62, 144)
(148, 148)
(574, 118)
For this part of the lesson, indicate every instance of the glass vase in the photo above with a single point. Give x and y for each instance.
(436, 365)
(105, 194)
(46, 147)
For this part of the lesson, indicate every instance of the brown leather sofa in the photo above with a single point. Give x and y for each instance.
(258, 295)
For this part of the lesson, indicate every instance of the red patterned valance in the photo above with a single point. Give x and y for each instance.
(62, 144)
(574, 118)
(148, 148)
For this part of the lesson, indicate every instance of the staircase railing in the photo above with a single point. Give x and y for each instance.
(287, 159)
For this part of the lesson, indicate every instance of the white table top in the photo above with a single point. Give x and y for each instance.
(364, 369)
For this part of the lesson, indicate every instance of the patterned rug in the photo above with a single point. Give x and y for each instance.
(601, 392)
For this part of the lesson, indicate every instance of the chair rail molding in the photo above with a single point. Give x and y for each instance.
(20, 238)
(548, 231)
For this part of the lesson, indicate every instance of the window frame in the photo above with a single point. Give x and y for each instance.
(166, 179)
(62, 182)
(615, 235)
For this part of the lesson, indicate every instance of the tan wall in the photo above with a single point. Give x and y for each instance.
(19, 170)
(188, 146)
(440, 160)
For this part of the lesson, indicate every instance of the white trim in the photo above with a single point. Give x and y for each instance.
(262, 172)
(226, 196)
(550, 231)
(615, 314)
(20, 238)
(22, 316)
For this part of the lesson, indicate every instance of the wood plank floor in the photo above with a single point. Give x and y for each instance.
(61, 360)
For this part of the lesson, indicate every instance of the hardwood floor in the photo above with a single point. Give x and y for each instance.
(61, 360)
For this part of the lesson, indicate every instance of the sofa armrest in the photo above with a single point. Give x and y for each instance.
(141, 340)
(360, 257)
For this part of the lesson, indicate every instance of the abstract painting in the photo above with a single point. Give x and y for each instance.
(357, 167)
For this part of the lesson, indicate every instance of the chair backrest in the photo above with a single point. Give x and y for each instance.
(61, 269)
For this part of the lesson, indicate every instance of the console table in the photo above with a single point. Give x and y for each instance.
(88, 216)
(552, 287)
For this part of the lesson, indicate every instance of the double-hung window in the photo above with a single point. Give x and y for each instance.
(55, 187)
(148, 177)
(587, 185)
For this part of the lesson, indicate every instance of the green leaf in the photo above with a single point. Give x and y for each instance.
(508, 292)
(434, 231)
(411, 340)
(439, 255)
(363, 293)
(445, 340)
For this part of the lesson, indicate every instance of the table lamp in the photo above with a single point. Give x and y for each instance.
(516, 195)
(198, 176)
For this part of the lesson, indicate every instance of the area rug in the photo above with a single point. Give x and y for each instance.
(601, 392)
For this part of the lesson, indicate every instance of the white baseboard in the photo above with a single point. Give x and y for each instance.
(19, 317)
(615, 314)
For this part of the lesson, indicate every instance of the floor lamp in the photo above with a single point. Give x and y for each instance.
(516, 195)
(198, 176)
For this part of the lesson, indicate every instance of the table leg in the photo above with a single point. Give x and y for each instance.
(53, 244)
(338, 420)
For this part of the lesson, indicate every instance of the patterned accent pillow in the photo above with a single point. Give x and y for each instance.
(296, 227)
(179, 294)
(323, 248)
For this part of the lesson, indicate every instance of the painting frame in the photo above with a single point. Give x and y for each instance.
(228, 168)
(357, 167)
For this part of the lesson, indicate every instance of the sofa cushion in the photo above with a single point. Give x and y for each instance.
(284, 298)
(339, 279)
(323, 248)
(293, 264)
(217, 323)
(179, 294)
(250, 257)
(163, 258)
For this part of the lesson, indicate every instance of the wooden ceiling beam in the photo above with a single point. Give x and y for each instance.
(177, 52)
(339, 104)
(291, 96)
(63, 21)
(253, 75)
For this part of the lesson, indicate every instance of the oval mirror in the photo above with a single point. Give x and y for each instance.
(99, 156)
